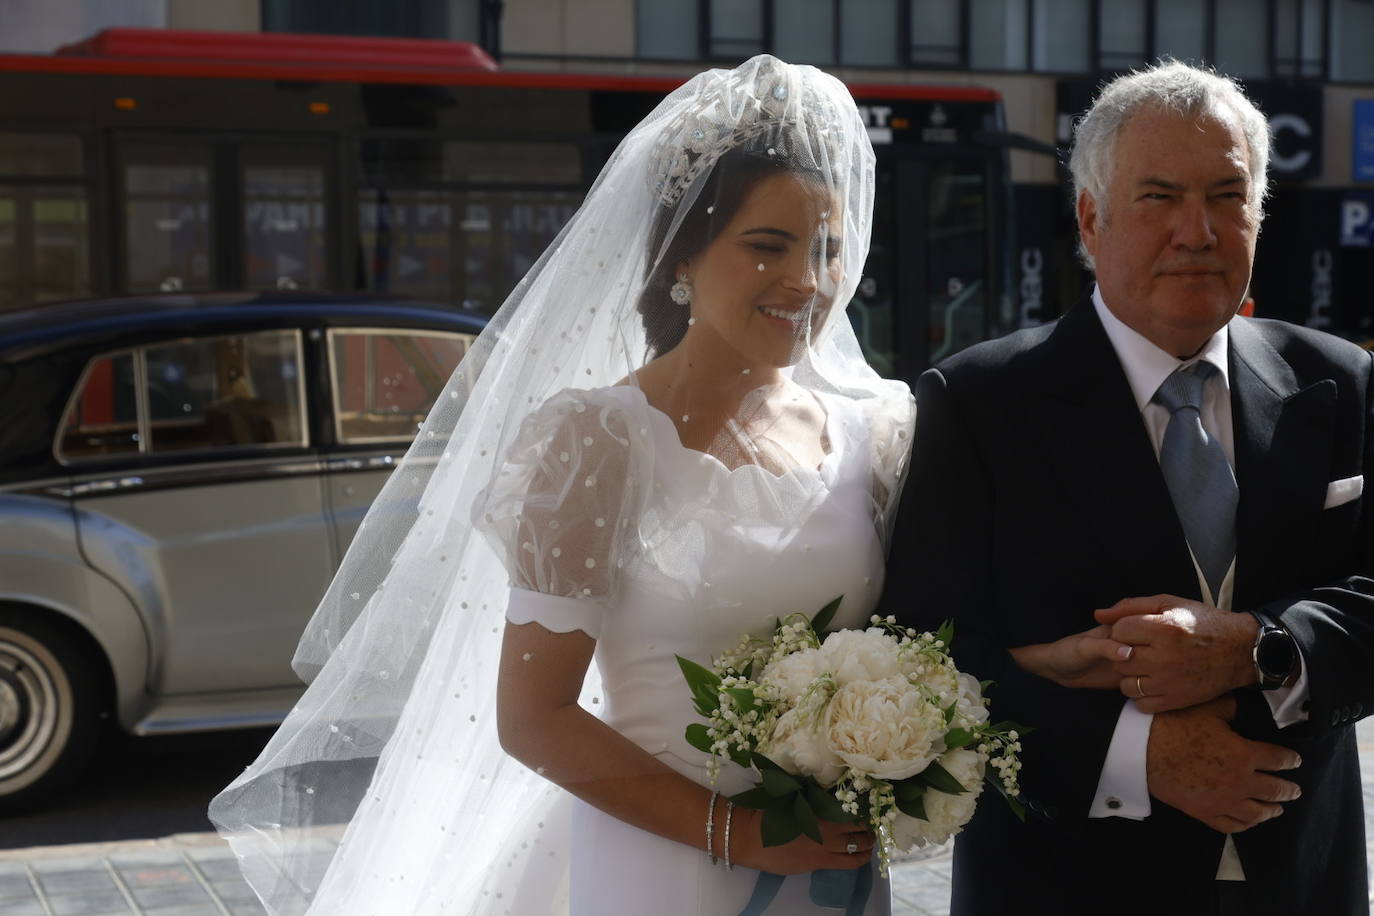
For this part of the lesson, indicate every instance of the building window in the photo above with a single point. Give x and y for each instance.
(937, 28)
(1181, 30)
(1122, 36)
(1352, 29)
(1242, 45)
(737, 28)
(1298, 39)
(998, 34)
(667, 30)
(868, 32)
(806, 34)
(455, 20)
(1061, 35)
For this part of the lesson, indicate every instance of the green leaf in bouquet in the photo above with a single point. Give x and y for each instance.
(958, 737)
(826, 805)
(806, 818)
(779, 783)
(984, 685)
(780, 825)
(705, 705)
(739, 756)
(1008, 725)
(756, 798)
(743, 697)
(699, 737)
(912, 805)
(762, 763)
(821, 622)
(937, 777)
(697, 677)
(949, 711)
(946, 633)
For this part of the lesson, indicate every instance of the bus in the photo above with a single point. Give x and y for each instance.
(142, 160)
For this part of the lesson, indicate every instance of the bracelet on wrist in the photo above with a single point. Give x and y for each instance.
(711, 828)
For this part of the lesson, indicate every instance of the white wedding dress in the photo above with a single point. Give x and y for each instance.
(728, 551)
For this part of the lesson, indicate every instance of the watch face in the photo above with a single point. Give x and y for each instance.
(1276, 655)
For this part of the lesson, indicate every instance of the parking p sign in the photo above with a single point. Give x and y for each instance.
(1357, 220)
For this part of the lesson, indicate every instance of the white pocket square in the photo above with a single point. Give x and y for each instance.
(1340, 492)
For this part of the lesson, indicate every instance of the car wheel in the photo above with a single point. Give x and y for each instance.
(50, 705)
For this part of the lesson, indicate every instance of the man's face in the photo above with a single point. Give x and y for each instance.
(1174, 246)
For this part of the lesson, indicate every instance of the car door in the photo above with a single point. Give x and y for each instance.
(384, 382)
(215, 525)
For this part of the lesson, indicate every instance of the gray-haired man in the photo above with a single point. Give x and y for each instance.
(1156, 466)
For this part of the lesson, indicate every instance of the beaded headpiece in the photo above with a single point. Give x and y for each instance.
(782, 109)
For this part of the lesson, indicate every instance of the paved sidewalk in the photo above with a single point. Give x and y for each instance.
(196, 874)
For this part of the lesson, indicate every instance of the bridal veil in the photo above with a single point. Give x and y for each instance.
(386, 790)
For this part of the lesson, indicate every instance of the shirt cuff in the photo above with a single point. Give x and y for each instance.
(1289, 704)
(1123, 789)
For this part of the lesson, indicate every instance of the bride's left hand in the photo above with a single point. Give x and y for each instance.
(1088, 659)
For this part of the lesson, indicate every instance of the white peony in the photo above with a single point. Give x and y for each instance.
(860, 655)
(885, 728)
(799, 746)
(793, 674)
(946, 814)
(971, 707)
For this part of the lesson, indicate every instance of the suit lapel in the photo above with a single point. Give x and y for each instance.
(1111, 461)
(1282, 443)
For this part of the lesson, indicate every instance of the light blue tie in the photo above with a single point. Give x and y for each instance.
(1200, 480)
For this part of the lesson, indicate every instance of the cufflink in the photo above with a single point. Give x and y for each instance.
(1113, 802)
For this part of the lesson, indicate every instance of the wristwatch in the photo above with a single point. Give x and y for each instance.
(1275, 653)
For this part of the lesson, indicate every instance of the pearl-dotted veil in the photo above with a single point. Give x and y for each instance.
(393, 749)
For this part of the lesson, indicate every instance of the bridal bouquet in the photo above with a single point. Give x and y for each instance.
(871, 726)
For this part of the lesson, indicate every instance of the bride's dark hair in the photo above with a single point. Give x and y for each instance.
(722, 191)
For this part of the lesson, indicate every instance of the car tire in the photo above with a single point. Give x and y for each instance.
(51, 704)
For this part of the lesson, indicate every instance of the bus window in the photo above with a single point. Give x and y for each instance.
(285, 223)
(469, 248)
(168, 237)
(44, 228)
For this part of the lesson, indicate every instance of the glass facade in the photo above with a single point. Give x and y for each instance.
(1254, 39)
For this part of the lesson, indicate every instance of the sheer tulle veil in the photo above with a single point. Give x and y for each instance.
(386, 789)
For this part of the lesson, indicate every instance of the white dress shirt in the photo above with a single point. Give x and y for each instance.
(1122, 788)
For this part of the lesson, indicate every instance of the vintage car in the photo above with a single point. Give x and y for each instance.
(179, 478)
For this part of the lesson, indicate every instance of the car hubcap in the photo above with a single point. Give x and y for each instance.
(28, 708)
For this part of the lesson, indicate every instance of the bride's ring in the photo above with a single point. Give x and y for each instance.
(1140, 691)
(852, 848)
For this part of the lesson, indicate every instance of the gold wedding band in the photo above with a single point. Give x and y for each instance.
(1140, 691)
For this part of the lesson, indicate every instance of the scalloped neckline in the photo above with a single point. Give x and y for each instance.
(818, 471)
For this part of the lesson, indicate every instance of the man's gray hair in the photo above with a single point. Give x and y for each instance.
(1167, 86)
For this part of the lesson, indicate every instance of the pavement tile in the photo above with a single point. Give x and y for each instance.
(15, 885)
(13, 868)
(247, 908)
(170, 895)
(233, 890)
(93, 878)
(29, 907)
(156, 875)
(219, 869)
(205, 909)
(103, 903)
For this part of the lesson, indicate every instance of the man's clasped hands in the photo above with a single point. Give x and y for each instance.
(1180, 660)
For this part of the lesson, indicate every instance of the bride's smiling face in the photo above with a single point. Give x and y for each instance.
(769, 277)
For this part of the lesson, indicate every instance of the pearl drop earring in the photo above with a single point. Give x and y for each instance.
(681, 291)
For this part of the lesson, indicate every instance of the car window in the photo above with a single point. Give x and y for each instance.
(225, 392)
(385, 381)
(102, 420)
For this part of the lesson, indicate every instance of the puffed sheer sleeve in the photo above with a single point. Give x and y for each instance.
(891, 417)
(562, 509)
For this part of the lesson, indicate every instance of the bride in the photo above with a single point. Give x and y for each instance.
(667, 438)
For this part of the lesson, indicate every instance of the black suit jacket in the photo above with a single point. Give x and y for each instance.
(1035, 497)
